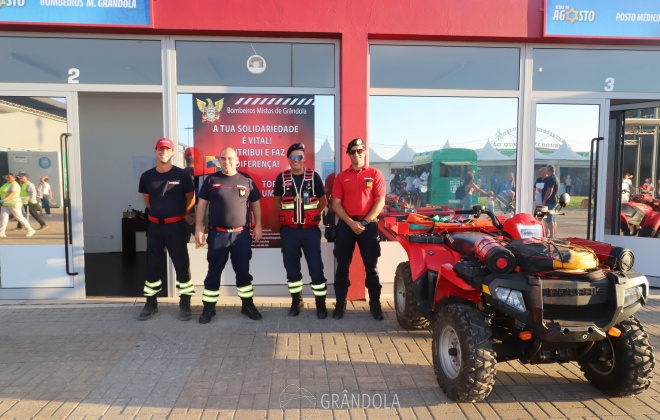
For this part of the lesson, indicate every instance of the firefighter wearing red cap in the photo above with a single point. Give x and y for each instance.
(358, 196)
(300, 198)
(169, 194)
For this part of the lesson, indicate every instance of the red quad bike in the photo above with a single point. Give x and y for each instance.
(497, 290)
(641, 216)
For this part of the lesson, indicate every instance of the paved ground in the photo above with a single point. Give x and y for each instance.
(93, 359)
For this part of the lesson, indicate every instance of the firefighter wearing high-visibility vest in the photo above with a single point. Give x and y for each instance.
(29, 200)
(300, 198)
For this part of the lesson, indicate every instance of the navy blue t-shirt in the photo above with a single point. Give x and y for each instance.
(167, 191)
(229, 197)
(550, 182)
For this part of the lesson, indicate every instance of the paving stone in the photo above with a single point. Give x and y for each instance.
(91, 360)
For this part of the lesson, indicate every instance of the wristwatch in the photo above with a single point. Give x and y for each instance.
(364, 222)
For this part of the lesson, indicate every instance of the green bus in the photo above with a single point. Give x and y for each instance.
(445, 169)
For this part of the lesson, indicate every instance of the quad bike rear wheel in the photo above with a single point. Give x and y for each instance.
(463, 356)
(405, 305)
(621, 366)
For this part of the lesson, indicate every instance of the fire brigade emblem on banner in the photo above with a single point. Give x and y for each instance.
(210, 111)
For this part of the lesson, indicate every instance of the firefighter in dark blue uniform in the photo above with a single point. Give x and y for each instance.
(300, 197)
(169, 194)
(228, 194)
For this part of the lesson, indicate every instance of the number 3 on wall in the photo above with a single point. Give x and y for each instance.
(609, 84)
(73, 75)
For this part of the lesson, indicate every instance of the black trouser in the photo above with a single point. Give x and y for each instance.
(369, 244)
(171, 237)
(35, 211)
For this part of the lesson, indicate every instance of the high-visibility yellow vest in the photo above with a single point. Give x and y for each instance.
(25, 195)
(4, 192)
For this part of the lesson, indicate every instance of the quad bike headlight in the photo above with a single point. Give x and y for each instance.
(632, 296)
(513, 298)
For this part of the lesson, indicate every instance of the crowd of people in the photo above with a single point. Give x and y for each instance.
(234, 222)
(20, 199)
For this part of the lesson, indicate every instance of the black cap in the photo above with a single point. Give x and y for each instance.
(294, 147)
(353, 143)
(21, 173)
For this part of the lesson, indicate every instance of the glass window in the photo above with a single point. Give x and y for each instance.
(596, 70)
(563, 140)
(313, 65)
(31, 145)
(440, 67)
(634, 187)
(282, 64)
(425, 145)
(261, 137)
(83, 61)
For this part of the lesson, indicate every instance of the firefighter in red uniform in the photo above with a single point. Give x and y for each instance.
(358, 196)
(300, 198)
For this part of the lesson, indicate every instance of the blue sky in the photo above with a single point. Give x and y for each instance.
(428, 122)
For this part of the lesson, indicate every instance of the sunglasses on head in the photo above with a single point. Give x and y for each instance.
(294, 157)
(355, 151)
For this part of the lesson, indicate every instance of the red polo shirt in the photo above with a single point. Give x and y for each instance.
(358, 190)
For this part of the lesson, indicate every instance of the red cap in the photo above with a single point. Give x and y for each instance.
(190, 152)
(164, 142)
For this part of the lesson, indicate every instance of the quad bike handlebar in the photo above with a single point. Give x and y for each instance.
(477, 211)
(539, 213)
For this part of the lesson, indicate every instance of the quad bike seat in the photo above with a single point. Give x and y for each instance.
(538, 254)
(464, 242)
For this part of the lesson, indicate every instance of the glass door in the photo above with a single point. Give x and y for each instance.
(38, 236)
(563, 134)
(632, 203)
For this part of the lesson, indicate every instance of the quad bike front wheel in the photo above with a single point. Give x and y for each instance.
(405, 305)
(463, 356)
(621, 366)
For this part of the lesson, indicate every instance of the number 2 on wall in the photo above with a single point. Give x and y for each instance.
(74, 73)
(609, 84)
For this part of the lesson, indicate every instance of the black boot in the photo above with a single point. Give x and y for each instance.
(184, 308)
(250, 310)
(150, 308)
(340, 308)
(374, 304)
(296, 304)
(207, 313)
(321, 311)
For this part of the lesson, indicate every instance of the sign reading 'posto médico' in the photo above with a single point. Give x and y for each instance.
(603, 18)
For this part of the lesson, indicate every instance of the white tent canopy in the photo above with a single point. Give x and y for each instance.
(374, 157)
(326, 152)
(405, 154)
(564, 153)
(490, 153)
(325, 155)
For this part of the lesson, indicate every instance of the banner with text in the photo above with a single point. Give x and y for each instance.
(261, 128)
(603, 18)
(85, 12)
